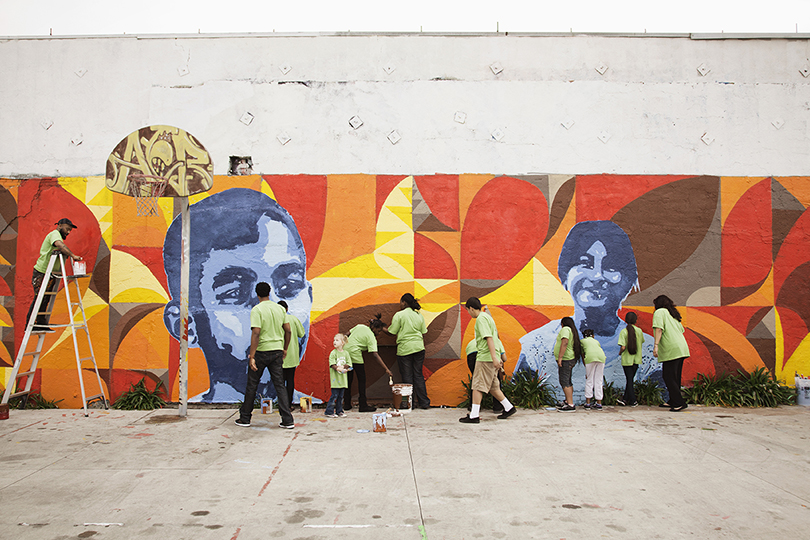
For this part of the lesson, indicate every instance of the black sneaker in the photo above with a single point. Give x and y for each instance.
(679, 409)
(587, 406)
(285, 426)
(365, 408)
(506, 414)
(567, 408)
(621, 403)
(242, 423)
(468, 420)
(597, 406)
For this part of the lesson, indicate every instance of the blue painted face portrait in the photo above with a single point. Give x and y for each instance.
(598, 267)
(239, 237)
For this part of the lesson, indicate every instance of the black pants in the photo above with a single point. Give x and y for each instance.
(671, 371)
(272, 360)
(47, 300)
(410, 369)
(289, 382)
(360, 370)
(629, 390)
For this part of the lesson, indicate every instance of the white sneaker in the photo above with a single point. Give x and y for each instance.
(331, 416)
(342, 415)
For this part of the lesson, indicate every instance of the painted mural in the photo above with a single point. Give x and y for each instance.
(731, 252)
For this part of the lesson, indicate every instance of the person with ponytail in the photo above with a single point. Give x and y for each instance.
(567, 350)
(409, 327)
(363, 338)
(670, 348)
(630, 339)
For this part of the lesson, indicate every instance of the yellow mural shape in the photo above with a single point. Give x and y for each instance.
(131, 280)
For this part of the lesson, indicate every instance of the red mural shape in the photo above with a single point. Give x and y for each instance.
(440, 193)
(793, 253)
(431, 261)
(746, 239)
(304, 197)
(505, 226)
(41, 204)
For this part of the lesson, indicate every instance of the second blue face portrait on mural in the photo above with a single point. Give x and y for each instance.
(597, 267)
(238, 238)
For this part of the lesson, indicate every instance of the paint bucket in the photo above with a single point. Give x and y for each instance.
(403, 391)
(803, 391)
(306, 404)
(4, 411)
(267, 405)
(379, 422)
(79, 268)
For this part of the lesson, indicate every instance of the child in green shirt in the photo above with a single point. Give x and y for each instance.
(339, 363)
(594, 359)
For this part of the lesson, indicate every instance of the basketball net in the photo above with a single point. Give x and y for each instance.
(146, 190)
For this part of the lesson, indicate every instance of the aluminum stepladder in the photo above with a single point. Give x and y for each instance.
(74, 325)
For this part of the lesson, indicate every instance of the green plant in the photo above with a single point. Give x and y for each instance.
(611, 394)
(528, 390)
(140, 398)
(755, 389)
(648, 392)
(34, 401)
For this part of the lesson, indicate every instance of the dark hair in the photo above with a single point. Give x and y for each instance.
(569, 322)
(587, 333)
(262, 289)
(630, 319)
(663, 301)
(283, 304)
(410, 301)
(376, 323)
(584, 234)
(473, 302)
(221, 221)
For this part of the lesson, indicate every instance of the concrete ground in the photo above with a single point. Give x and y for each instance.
(619, 473)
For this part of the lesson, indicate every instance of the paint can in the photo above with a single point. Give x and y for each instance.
(79, 268)
(306, 404)
(402, 391)
(803, 391)
(267, 405)
(379, 422)
(4, 411)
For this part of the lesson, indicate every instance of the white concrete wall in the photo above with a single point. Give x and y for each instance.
(652, 102)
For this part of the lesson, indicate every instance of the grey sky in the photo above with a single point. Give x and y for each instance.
(38, 17)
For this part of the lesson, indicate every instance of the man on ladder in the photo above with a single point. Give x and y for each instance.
(54, 241)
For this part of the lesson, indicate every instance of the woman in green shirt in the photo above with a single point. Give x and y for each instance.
(670, 348)
(631, 339)
(362, 338)
(409, 327)
(567, 350)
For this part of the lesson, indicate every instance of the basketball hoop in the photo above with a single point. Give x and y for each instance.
(146, 189)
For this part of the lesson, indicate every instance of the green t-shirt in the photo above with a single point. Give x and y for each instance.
(473, 348)
(409, 326)
(627, 358)
(269, 317)
(673, 343)
(565, 332)
(484, 328)
(293, 357)
(361, 338)
(340, 358)
(45, 251)
(592, 351)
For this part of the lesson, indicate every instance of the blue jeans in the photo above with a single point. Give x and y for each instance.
(336, 399)
(410, 369)
(272, 360)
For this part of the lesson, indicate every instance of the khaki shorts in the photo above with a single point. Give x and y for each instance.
(485, 378)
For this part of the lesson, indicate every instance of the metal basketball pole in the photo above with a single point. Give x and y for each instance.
(184, 273)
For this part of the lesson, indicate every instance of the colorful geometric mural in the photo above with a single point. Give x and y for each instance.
(731, 252)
